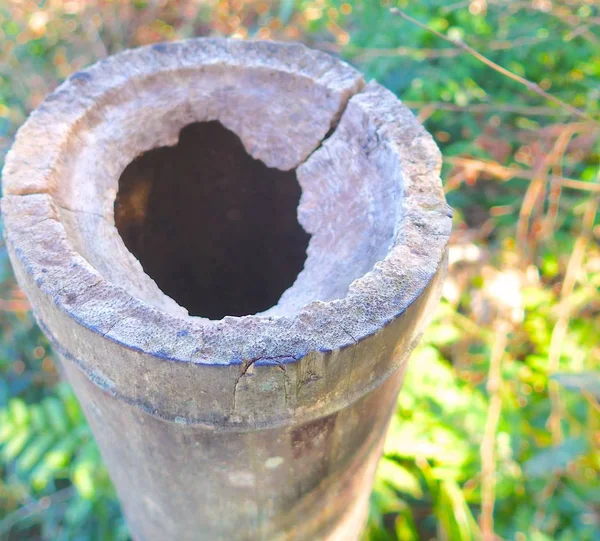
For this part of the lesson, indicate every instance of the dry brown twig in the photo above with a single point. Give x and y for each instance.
(543, 498)
(536, 191)
(555, 189)
(488, 444)
(506, 173)
(424, 53)
(487, 108)
(534, 87)
(430, 53)
(559, 331)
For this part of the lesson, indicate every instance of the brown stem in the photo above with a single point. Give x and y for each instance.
(488, 445)
(487, 108)
(530, 85)
(535, 195)
(506, 173)
(562, 324)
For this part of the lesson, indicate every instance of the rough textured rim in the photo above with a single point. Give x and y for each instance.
(372, 301)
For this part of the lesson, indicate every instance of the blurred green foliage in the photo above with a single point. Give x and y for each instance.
(501, 398)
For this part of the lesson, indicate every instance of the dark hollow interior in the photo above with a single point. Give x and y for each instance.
(216, 229)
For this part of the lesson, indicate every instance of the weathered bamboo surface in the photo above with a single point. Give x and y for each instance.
(266, 426)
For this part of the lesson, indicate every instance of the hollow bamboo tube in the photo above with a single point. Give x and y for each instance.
(267, 426)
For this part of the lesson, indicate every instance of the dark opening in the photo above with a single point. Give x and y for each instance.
(216, 229)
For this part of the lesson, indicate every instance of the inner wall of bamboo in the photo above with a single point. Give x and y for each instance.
(171, 208)
(216, 229)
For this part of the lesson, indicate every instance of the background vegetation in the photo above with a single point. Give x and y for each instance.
(500, 408)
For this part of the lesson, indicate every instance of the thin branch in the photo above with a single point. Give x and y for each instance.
(487, 108)
(543, 499)
(591, 399)
(554, 193)
(506, 173)
(496, 67)
(535, 194)
(432, 53)
(457, 5)
(583, 31)
(488, 445)
(577, 184)
(559, 332)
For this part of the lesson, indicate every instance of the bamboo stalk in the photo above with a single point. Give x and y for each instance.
(263, 426)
